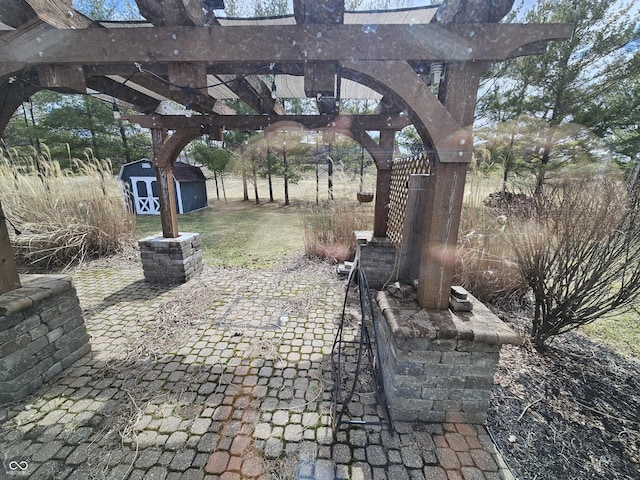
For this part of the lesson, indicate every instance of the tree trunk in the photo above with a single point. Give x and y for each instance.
(255, 184)
(269, 176)
(245, 187)
(286, 177)
(544, 162)
(92, 129)
(125, 143)
(224, 193)
(330, 177)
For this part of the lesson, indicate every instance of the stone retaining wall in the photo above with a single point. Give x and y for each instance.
(171, 260)
(42, 332)
(437, 365)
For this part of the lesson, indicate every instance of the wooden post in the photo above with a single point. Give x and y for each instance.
(381, 209)
(413, 228)
(444, 199)
(166, 189)
(383, 183)
(441, 218)
(9, 278)
(167, 198)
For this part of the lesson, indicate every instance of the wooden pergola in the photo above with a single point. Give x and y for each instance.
(184, 51)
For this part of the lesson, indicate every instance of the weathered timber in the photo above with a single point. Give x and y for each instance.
(239, 44)
(413, 228)
(444, 204)
(256, 122)
(9, 278)
(383, 184)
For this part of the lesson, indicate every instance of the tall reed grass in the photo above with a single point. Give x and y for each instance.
(329, 226)
(486, 264)
(63, 217)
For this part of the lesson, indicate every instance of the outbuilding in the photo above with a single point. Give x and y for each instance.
(142, 190)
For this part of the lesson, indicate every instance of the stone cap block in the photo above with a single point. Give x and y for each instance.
(158, 241)
(35, 288)
(365, 237)
(407, 320)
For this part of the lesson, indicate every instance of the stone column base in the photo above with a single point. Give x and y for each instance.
(377, 258)
(171, 260)
(42, 332)
(438, 365)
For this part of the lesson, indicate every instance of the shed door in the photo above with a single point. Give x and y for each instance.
(145, 194)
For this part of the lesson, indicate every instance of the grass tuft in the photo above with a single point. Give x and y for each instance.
(486, 264)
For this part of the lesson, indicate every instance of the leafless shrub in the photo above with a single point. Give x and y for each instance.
(485, 264)
(579, 251)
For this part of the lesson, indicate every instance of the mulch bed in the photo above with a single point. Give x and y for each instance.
(572, 413)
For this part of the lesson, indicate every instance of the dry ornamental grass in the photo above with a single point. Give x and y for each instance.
(63, 217)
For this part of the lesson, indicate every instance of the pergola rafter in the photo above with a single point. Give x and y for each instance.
(184, 45)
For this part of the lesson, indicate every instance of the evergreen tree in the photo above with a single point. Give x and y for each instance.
(216, 159)
(70, 124)
(563, 84)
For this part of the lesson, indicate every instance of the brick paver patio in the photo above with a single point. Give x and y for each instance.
(227, 376)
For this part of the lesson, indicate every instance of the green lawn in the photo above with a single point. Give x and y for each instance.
(621, 332)
(239, 234)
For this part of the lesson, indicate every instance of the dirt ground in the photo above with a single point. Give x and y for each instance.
(571, 414)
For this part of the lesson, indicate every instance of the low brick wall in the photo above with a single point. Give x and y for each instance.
(438, 366)
(171, 260)
(377, 258)
(42, 332)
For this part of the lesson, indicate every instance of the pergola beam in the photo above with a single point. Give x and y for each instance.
(56, 13)
(257, 122)
(198, 101)
(314, 12)
(141, 102)
(293, 44)
(252, 90)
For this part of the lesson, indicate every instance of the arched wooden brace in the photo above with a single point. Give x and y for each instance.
(166, 149)
(446, 126)
(382, 154)
(12, 95)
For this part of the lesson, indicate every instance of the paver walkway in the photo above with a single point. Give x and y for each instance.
(227, 376)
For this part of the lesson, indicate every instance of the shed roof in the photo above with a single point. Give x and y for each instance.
(182, 172)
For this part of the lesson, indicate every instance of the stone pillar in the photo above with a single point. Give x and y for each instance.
(377, 258)
(438, 365)
(42, 332)
(171, 260)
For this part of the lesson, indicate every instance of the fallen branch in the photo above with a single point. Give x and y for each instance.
(528, 407)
